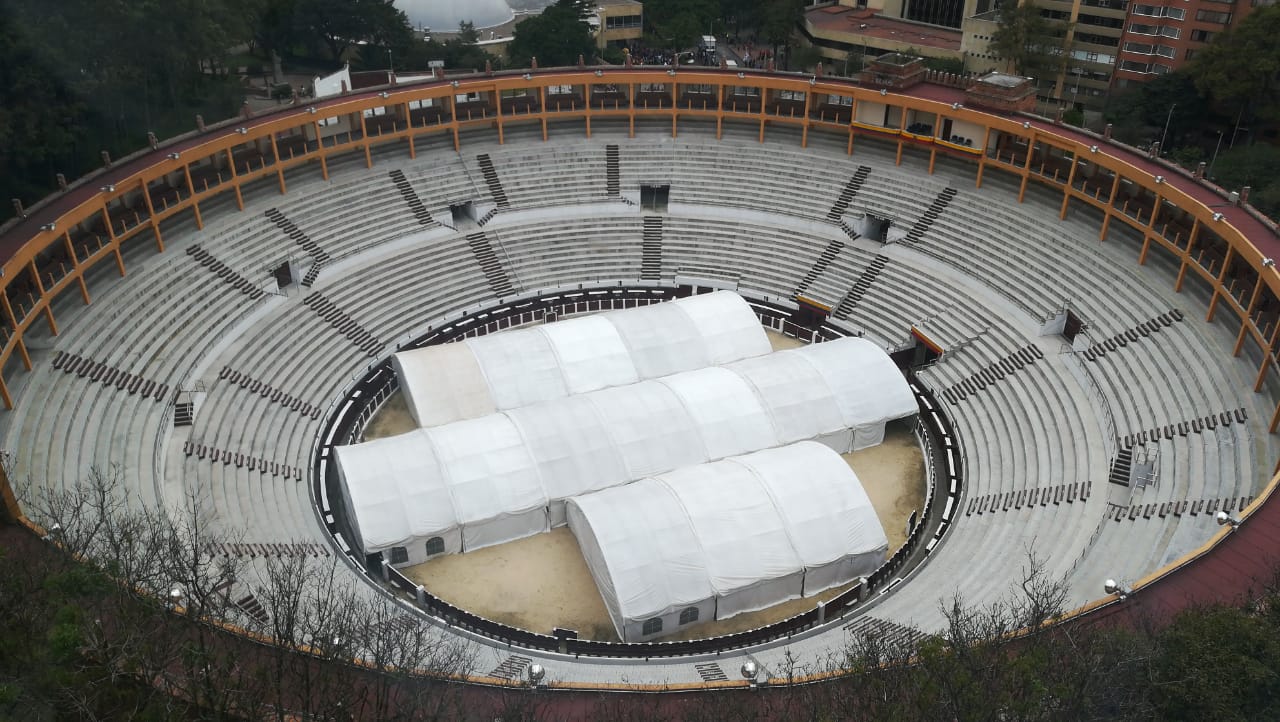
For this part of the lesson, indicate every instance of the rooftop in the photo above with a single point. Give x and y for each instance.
(1003, 80)
(865, 23)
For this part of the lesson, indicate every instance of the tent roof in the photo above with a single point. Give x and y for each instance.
(652, 554)
(397, 491)
(676, 539)
(515, 368)
(509, 463)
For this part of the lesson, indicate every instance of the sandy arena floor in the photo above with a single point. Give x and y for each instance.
(543, 582)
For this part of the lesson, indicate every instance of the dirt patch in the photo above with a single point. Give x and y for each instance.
(781, 342)
(392, 419)
(893, 474)
(535, 584)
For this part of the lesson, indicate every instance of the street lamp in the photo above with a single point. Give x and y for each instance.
(1216, 148)
(1166, 126)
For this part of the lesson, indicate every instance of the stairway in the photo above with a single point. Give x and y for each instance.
(992, 373)
(225, 272)
(846, 196)
(491, 179)
(828, 255)
(1143, 330)
(343, 324)
(1121, 466)
(651, 258)
(411, 198)
(302, 239)
(855, 294)
(489, 263)
(612, 181)
(183, 414)
(935, 209)
(312, 273)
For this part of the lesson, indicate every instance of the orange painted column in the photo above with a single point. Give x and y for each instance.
(48, 312)
(17, 330)
(1068, 188)
(1026, 167)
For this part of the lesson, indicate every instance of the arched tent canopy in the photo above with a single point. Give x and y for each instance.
(395, 497)
(444, 16)
(725, 409)
(748, 532)
(494, 483)
(508, 474)
(515, 368)
(638, 535)
(852, 369)
(650, 428)
(797, 397)
(829, 546)
(571, 448)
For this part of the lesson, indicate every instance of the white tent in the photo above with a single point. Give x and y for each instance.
(395, 499)
(445, 490)
(507, 475)
(715, 540)
(515, 368)
(857, 372)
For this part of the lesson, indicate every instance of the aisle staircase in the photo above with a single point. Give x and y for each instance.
(935, 209)
(846, 196)
(411, 198)
(499, 281)
(491, 179)
(651, 258)
(860, 287)
(612, 180)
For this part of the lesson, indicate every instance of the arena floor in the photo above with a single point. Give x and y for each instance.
(543, 582)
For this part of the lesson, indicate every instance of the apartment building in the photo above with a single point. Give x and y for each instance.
(1162, 35)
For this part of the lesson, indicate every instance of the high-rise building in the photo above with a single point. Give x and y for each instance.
(1162, 35)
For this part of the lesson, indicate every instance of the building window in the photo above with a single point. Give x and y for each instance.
(652, 626)
(399, 555)
(622, 21)
(1157, 11)
(435, 545)
(1166, 51)
(1202, 36)
(688, 615)
(1190, 53)
(1209, 16)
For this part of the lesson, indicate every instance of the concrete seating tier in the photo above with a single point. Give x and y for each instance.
(739, 211)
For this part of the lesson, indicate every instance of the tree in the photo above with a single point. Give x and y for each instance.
(80, 76)
(677, 24)
(1140, 113)
(1028, 42)
(778, 20)
(1219, 663)
(337, 25)
(556, 37)
(1239, 69)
